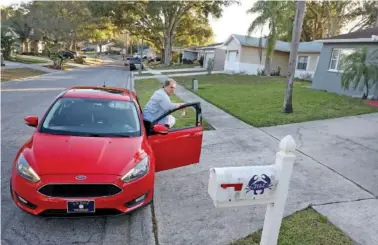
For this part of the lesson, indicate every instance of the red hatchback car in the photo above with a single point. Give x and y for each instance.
(93, 154)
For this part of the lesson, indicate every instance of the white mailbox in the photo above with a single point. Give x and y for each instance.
(239, 186)
(250, 185)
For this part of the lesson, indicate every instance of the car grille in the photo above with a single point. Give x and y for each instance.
(79, 190)
(63, 213)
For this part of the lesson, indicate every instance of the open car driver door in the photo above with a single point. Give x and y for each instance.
(176, 147)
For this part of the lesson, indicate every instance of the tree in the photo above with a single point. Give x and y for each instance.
(8, 39)
(367, 14)
(157, 21)
(277, 16)
(193, 30)
(297, 30)
(360, 70)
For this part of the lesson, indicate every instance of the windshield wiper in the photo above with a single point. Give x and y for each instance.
(108, 135)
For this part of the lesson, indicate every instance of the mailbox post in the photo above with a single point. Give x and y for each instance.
(252, 185)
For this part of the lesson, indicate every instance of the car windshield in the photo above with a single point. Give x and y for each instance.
(92, 117)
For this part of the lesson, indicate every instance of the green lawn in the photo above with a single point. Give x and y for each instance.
(305, 227)
(18, 73)
(258, 100)
(145, 88)
(27, 60)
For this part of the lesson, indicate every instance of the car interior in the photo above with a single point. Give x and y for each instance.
(95, 115)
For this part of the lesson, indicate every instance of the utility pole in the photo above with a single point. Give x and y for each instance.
(141, 57)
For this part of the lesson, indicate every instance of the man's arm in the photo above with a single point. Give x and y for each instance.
(167, 105)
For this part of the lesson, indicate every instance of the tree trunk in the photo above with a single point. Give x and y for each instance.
(367, 88)
(376, 20)
(162, 54)
(268, 66)
(22, 45)
(71, 44)
(167, 49)
(288, 104)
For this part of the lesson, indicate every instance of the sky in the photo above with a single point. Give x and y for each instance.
(234, 20)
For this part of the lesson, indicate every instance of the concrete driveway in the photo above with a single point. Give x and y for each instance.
(20, 99)
(334, 171)
(347, 146)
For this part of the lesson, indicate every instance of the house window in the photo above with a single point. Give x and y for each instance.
(337, 56)
(302, 62)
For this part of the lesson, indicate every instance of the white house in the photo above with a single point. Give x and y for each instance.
(247, 55)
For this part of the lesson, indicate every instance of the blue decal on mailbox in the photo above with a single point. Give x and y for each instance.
(259, 184)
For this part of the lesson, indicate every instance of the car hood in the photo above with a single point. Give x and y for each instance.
(61, 154)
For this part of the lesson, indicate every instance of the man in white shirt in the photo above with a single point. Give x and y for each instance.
(160, 103)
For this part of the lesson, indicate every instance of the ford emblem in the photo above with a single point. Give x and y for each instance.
(81, 177)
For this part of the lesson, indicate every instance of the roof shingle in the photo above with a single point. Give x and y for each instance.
(366, 33)
(280, 45)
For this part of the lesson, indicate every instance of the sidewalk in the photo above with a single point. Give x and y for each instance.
(185, 213)
(158, 73)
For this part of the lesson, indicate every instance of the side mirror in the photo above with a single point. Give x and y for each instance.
(31, 121)
(160, 129)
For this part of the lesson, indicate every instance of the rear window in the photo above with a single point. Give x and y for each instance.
(92, 117)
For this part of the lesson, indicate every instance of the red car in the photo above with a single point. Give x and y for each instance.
(93, 154)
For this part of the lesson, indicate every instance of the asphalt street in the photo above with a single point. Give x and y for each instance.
(32, 97)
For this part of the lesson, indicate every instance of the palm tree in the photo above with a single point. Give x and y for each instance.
(8, 39)
(297, 31)
(359, 69)
(277, 14)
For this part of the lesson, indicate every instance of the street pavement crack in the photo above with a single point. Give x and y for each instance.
(154, 224)
(300, 136)
(336, 202)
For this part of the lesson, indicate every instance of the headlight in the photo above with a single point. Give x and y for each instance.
(138, 171)
(25, 170)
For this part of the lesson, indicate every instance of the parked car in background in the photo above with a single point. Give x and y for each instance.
(134, 63)
(68, 54)
(155, 59)
(87, 49)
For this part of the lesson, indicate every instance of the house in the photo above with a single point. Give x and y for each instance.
(328, 74)
(189, 53)
(246, 54)
(213, 51)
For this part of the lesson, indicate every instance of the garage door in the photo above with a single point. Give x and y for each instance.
(231, 60)
(207, 57)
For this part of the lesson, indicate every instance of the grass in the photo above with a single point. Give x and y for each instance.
(92, 61)
(159, 66)
(65, 67)
(145, 88)
(18, 73)
(26, 60)
(258, 100)
(305, 227)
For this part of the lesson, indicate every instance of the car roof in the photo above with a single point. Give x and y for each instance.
(99, 92)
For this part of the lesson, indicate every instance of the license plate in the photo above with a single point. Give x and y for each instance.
(80, 206)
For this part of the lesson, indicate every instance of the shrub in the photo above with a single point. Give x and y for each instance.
(79, 60)
(210, 66)
(187, 61)
(276, 73)
(260, 72)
